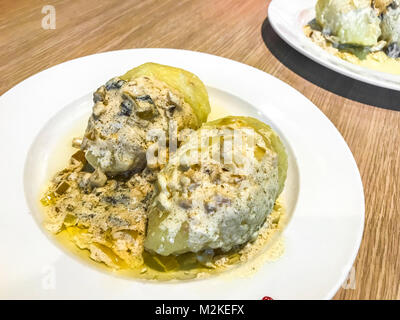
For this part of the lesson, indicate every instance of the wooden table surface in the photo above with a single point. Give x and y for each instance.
(367, 117)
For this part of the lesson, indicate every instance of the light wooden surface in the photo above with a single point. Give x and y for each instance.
(231, 29)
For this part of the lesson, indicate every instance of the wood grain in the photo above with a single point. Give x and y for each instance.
(230, 29)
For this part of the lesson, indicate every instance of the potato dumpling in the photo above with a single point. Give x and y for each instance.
(217, 189)
(189, 85)
(271, 139)
(126, 109)
(352, 22)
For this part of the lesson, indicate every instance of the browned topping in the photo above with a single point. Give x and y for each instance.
(105, 215)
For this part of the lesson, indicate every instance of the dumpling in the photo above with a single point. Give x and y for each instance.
(218, 188)
(127, 108)
(189, 85)
(352, 22)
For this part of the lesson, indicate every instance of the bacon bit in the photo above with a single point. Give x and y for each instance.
(79, 156)
(62, 188)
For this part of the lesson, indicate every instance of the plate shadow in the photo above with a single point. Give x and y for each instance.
(325, 78)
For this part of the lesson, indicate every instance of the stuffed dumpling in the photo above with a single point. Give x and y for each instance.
(218, 188)
(127, 108)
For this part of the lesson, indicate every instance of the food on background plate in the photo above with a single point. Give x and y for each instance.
(176, 219)
(390, 26)
(349, 21)
(363, 32)
(210, 199)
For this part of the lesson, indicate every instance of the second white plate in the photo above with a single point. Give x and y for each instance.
(288, 17)
(324, 193)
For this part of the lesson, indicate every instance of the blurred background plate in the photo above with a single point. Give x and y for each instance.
(288, 18)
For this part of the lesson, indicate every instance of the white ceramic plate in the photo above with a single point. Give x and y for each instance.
(323, 193)
(288, 17)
